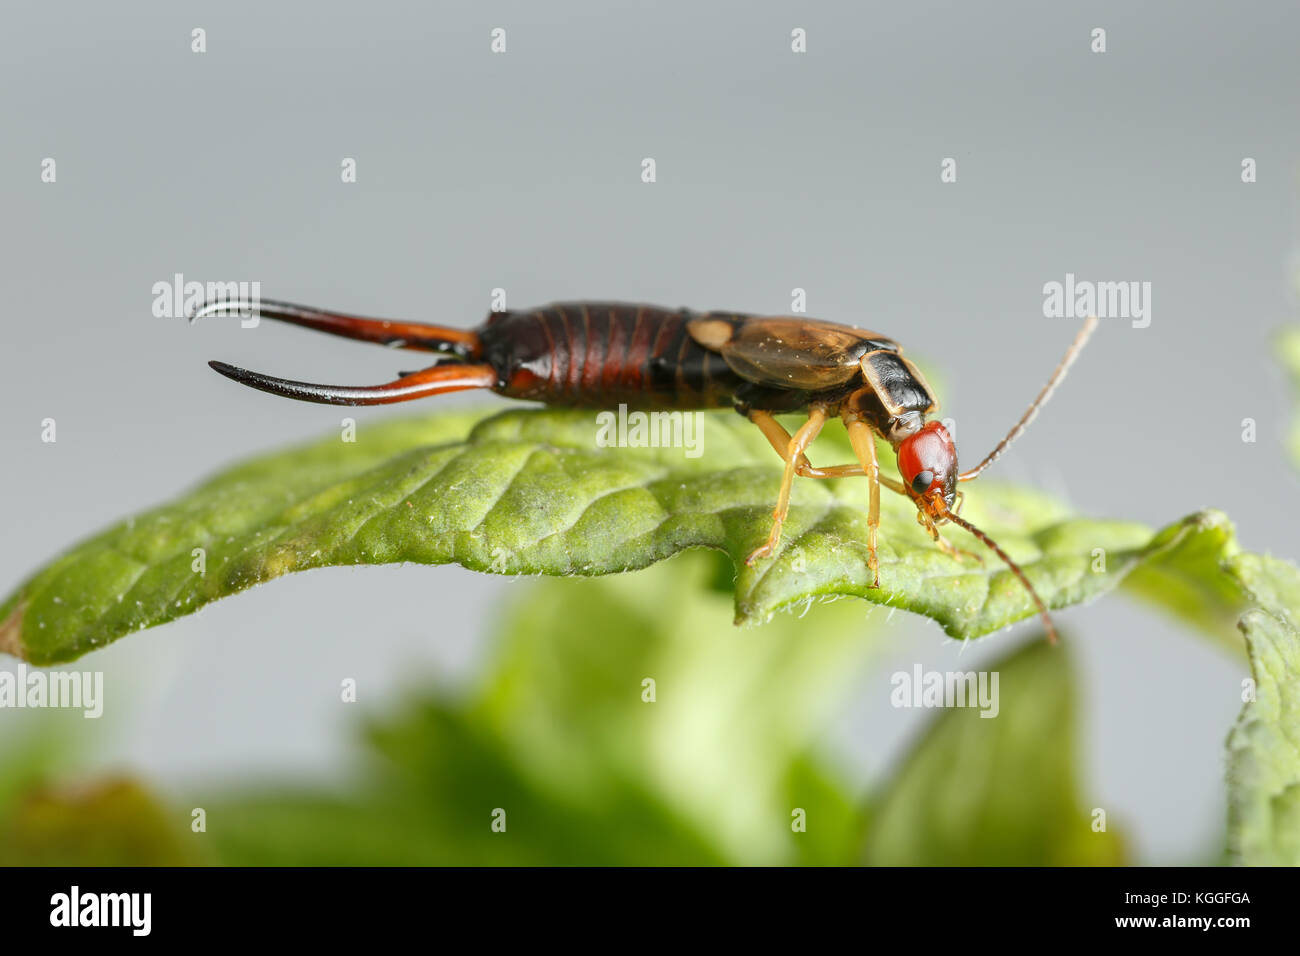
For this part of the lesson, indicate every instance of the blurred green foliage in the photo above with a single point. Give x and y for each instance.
(722, 767)
(979, 792)
(110, 822)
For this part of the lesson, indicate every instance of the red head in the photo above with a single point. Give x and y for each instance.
(927, 460)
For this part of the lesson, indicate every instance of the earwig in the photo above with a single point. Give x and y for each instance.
(601, 355)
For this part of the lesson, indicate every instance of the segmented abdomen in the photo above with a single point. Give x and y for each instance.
(605, 354)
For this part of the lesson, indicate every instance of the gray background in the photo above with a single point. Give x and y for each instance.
(522, 171)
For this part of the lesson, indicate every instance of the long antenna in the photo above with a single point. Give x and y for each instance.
(1071, 354)
(1042, 608)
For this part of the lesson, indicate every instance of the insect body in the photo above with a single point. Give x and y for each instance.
(600, 355)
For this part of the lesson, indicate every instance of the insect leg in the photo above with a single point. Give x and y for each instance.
(863, 440)
(932, 529)
(952, 550)
(794, 451)
(893, 485)
(430, 381)
(780, 440)
(830, 471)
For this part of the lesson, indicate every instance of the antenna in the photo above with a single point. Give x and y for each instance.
(1071, 354)
(1042, 608)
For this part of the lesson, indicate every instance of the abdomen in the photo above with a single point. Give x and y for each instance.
(601, 354)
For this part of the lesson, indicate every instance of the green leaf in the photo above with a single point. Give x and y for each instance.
(569, 697)
(529, 492)
(432, 792)
(997, 791)
(1183, 570)
(1264, 746)
(560, 735)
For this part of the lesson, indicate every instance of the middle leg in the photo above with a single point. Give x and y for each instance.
(780, 439)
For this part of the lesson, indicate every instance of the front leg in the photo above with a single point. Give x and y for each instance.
(863, 440)
(951, 550)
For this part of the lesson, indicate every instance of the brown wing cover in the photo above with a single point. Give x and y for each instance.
(788, 352)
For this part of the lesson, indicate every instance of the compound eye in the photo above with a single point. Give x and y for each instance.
(922, 481)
